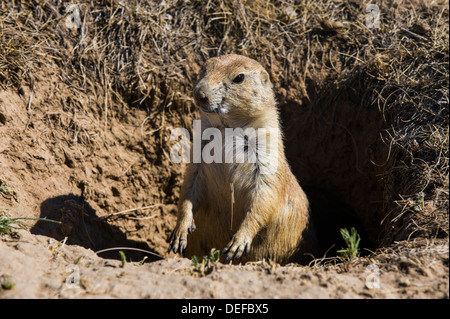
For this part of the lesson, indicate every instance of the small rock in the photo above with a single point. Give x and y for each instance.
(328, 25)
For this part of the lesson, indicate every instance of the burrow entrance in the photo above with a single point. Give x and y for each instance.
(335, 151)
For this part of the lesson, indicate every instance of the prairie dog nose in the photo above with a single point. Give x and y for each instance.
(200, 93)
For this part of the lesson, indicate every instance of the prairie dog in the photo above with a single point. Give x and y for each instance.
(251, 210)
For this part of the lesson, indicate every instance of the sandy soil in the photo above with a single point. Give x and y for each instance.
(41, 267)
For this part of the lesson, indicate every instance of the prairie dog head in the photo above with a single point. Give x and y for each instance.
(234, 86)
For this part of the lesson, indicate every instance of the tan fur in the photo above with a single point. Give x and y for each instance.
(270, 212)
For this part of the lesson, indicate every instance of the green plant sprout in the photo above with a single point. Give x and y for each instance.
(7, 224)
(207, 264)
(352, 240)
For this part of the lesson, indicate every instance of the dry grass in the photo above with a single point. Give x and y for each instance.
(148, 54)
(5, 190)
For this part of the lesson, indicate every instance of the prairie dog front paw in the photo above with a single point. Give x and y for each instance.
(178, 238)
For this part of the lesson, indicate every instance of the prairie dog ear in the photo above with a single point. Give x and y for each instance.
(265, 78)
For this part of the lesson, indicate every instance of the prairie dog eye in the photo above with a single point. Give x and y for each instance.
(239, 79)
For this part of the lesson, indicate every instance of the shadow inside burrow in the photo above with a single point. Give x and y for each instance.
(330, 214)
(81, 225)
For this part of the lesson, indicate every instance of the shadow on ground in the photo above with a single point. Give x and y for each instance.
(81, 226)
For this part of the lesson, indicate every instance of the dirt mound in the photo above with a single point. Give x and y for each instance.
(90, 92)
(39, 268)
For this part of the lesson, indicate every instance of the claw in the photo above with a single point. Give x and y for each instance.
(178, 238)
(182, 242)
(191, 229)
(239, 253)
(226, 259)
(226, 250)
(236, 248)
(223, 252)
(170, 242)
(174, 247)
